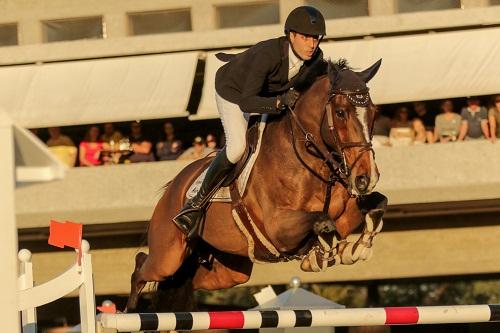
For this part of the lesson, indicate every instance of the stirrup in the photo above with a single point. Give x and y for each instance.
(188, 221)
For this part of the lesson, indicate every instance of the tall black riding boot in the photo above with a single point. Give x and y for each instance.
(191, 214)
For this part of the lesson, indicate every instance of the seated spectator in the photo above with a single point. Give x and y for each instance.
(111, 135)
(474, 121)
(494, 119)
(58, 139)
(381, 130)
(62, 146)
(197, 151)
(140, 145)
(169, 148)
(91, 148)
(427, 120)
(448, 123)
(211, 142)
(404, 131)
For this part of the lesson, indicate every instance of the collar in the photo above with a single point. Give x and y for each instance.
(293, 60)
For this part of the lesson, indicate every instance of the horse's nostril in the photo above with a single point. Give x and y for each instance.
(362, 182)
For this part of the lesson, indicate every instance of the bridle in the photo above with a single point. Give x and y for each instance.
(359, 98)
(333, 157)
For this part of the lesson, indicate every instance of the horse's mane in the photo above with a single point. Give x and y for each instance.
(340, 64)
(318, 69)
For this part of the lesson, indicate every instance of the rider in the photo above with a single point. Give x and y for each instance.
(257, 80)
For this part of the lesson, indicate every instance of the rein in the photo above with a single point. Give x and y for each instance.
(339, 171)
(336, 174)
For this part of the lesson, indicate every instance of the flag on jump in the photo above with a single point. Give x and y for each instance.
(66, 234)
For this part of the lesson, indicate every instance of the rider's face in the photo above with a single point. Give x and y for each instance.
(304, 45)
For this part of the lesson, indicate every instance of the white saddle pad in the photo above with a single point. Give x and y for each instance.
(223, 195)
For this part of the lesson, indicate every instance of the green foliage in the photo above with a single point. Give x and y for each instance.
(349, 295)
(383, 294)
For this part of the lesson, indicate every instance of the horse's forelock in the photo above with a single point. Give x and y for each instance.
(342, 77)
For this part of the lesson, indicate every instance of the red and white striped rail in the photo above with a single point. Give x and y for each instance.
(134, 322)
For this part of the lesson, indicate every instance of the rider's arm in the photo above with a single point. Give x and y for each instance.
(259, 69)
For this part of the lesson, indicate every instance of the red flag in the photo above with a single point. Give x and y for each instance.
(107, 308)
(65, 234)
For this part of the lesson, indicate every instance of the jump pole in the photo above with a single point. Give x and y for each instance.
(135, 322)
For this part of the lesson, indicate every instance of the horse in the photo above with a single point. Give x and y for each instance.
(310, 187)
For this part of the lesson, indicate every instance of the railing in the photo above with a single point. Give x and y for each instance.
(78, 276)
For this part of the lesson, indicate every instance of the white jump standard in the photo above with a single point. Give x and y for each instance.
(134, 322)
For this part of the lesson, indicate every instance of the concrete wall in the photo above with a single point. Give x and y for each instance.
(440, 173)
(29, 14)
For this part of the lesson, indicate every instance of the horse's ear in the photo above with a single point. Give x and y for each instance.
(370, 72)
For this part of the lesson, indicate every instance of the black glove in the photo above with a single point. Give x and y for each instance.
(288, 99)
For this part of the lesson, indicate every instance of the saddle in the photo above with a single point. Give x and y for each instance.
(240, 173)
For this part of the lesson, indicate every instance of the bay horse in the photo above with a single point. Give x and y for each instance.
(310, 187)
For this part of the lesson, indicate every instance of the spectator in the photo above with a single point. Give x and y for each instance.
(447, 126)
(474, 120)
(427, 119)
(494, 119)
(197, 151)
(405, 131)
(140, 145)
(111, 135)
(381, 130)
(91, 148)
(58, 139)
(169, 148)
(211, 142)
(62, 146)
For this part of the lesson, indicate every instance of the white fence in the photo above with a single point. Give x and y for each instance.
(78, 276)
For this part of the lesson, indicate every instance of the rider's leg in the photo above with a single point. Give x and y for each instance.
(235, 123)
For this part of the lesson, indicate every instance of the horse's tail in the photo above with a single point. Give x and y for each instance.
(176, 293)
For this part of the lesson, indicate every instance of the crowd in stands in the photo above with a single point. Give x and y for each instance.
(408, 124)
(419, 126)
(105, 145)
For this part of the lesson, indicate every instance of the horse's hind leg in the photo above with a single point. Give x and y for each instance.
(167, 249)
(136, 284)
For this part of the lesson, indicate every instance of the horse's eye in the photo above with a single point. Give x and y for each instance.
(340, 113)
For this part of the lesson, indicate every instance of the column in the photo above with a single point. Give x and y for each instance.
(203, 16)
(116, 25)
(466, 4)
(382, 7)
(29, 31)
(8, 235)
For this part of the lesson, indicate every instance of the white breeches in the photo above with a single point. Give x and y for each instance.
(235, 123)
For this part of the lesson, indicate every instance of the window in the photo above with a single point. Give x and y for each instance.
(248, 15)
(406, 6)
(8, 34)
(73, 29)
(340, 8)
(159, 22)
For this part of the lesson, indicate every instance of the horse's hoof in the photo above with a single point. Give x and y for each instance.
(140, 258)
(309, 264)
(376, 214)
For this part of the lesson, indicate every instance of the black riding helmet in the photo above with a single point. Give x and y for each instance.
(306, 20)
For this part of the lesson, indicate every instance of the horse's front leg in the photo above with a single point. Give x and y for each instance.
(326, 251)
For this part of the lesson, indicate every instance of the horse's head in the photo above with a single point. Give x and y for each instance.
(347, 124)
